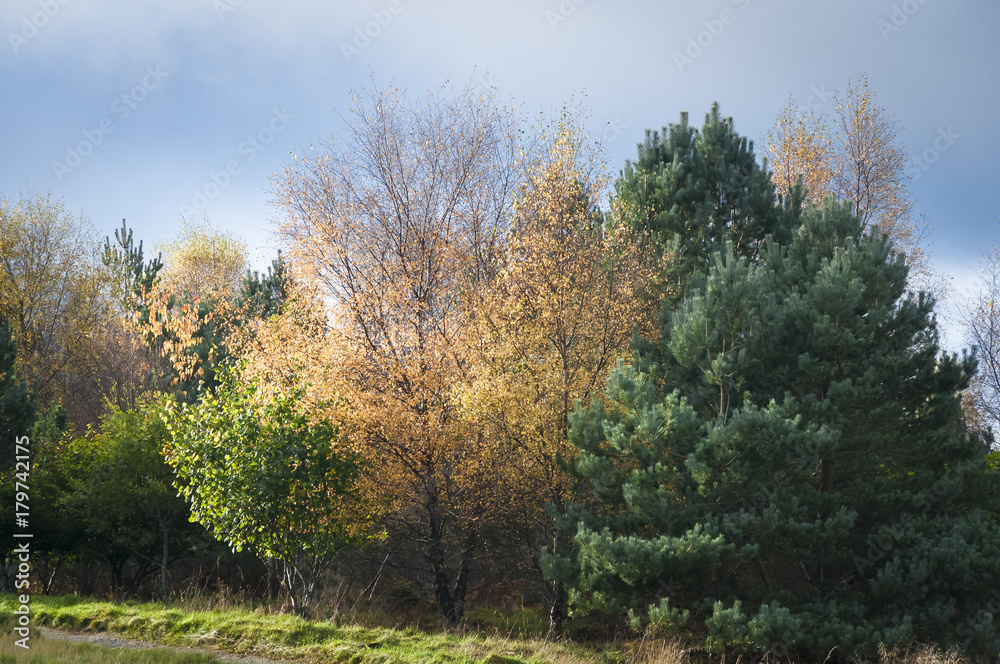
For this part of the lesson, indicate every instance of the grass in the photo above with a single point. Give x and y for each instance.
(259, 631)
(48, 651)
(288, 637)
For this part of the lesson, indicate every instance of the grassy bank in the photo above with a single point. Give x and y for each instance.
(498, 639)
(288, 637)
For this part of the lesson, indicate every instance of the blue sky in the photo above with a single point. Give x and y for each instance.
(135, 109)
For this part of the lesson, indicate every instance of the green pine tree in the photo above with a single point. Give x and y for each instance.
(131, 273)
(786, 468)
(690, 190)
(265, 294)
(17, 405)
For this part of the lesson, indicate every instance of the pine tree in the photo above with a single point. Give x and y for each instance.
(786, 468)
(689, 190)
(264, 295)
(131, 273)
(17, 406)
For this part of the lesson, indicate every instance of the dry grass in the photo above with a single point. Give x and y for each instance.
(920, 655)
(673, 651)
(659, 651)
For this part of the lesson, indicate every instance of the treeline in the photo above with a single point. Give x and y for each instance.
(693, 401)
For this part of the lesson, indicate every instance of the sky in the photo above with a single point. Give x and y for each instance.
(160, 110)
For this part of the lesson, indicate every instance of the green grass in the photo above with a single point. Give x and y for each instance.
(49, 651)
(283, 637)
(288, 637)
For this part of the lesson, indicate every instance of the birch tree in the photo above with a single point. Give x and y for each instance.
(396, 223)
(859, 160)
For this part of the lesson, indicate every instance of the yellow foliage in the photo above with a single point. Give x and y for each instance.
(545, 330)
(799, 146)
(201, 266)
(51, 294)
(860, 162)
(203, 261)
(393, 231)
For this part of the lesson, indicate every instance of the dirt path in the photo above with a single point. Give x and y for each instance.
(114, 641)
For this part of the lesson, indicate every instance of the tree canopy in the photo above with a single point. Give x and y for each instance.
(260, 472)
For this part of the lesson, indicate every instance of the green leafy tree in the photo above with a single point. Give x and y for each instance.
(260, 473)
(122, 490)
(786, 467)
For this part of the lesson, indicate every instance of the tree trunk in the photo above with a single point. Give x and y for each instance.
(117, 573)
(52, 577)
(462, 582)
(272, 584)
(557, 611)
(292, 589)
(827, 473)
(163, 562)
(442, 585)
(436, 556)
(559, 602)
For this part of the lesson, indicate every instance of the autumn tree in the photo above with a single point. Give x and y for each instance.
(545, 330)
(50, 298)
(800, 146)
(204, 261)
(859, 161)
(187, 312)
(395, 223)
(982, 332)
